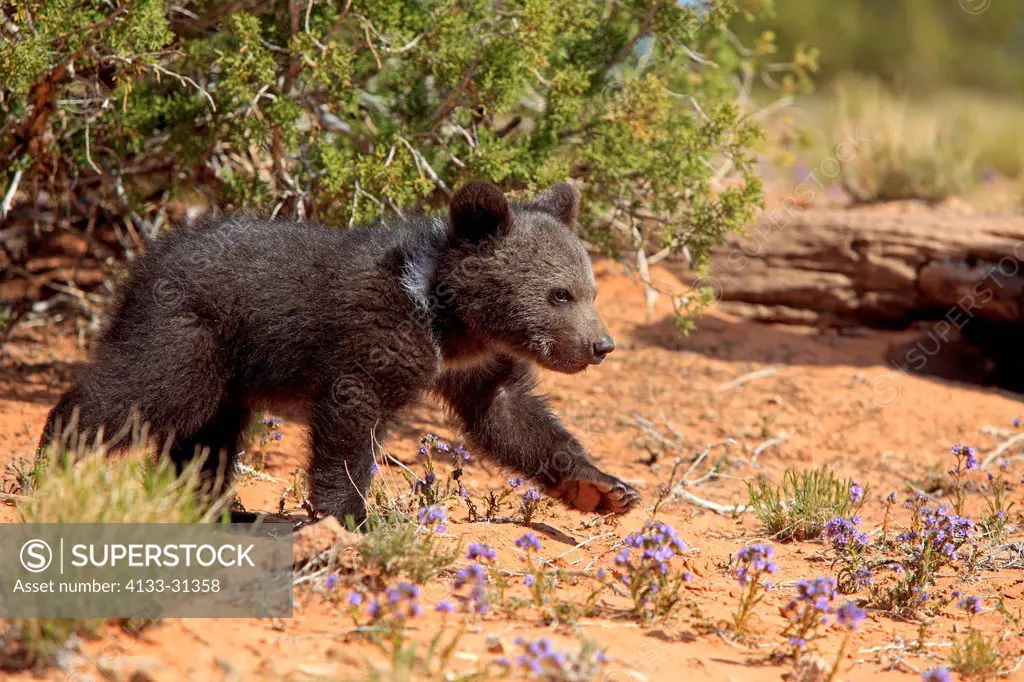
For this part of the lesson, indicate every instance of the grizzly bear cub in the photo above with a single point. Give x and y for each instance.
(238, 313)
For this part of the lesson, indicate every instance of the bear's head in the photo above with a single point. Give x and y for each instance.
(521, 281)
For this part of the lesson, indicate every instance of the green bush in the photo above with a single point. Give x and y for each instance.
(342, 110)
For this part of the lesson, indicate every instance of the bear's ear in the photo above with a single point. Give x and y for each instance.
(561, 201)
(479, 210)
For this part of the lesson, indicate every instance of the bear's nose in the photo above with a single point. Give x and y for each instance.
(603, 347)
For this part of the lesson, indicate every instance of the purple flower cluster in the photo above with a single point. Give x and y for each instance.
(856, 493)
(529, 501)
(971, 605)
(966, 458)
(270, 426)
(436, 514)
(753, 562)
(515, 482)
(540, 658)
(845, 534)
(658, 543)
(849, 615)
(479, 551)
(941, 531)
(474, 577)
(936, 675)
(399, 602)
(809, 611)
(529, 541)
(815, 594)
(863, 578)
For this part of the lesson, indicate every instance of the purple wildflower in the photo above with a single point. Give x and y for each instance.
(529, 541)
(355, 599)
(971, 605)
(331, 581)
(754, 562)
(444, 606)
(436, 514)
(965, 454)
(849, 614)
(863, 578)
(515, 481)
(844, 534)
(479, 551)
(936, 675)
(474, 576)
(399, 602)
(856, 493)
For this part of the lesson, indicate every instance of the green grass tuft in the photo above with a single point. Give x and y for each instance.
(799, 508)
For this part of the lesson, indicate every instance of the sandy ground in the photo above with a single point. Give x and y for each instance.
(821, 399)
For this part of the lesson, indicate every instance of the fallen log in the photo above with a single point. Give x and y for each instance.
(871, 267)
(957, 277)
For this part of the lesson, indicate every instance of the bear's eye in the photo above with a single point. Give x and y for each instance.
(560, 296)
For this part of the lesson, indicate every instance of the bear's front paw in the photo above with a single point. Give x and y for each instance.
(603, 497)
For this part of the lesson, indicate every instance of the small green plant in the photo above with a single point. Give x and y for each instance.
(21, 475)
(976, 657)
(995, 522)
(799, 509)
(85, 486)
(529, 505)
(395, 545)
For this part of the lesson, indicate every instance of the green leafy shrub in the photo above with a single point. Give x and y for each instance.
(342, 111)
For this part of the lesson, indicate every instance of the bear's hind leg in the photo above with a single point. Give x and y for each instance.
(221, 441)
(341, 468)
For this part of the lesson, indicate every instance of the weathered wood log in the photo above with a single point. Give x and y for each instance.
(873, 267)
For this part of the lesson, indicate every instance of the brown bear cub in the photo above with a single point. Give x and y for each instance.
(238, 313)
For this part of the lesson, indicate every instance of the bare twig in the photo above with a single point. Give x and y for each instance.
(739, 381)
(771, 442)
(184, 80)
(1003, 447)
(5, 207)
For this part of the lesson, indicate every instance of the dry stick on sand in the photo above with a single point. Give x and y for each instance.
(998, 452)
(739, 381)
(679, 490)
